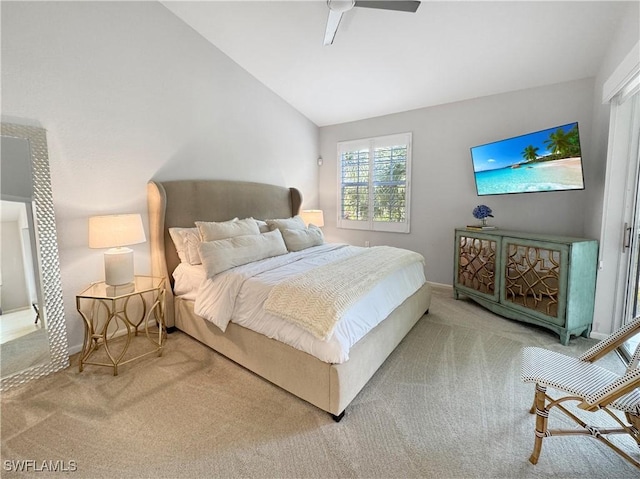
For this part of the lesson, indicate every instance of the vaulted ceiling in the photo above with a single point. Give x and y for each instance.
(384, 62)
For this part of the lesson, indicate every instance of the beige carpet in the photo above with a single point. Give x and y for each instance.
(448, 403)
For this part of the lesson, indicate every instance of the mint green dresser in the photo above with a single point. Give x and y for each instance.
(540, 279)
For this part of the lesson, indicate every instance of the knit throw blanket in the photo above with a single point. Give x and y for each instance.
(317, 299)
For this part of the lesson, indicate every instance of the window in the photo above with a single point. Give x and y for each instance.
(374, 183)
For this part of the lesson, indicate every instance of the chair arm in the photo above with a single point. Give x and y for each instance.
(615, 390)
(609, 344)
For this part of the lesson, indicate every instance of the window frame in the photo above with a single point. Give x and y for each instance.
(371, 144)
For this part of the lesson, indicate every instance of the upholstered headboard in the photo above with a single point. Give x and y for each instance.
(183, 202)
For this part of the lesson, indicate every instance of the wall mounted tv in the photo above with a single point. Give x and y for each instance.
(546, 160)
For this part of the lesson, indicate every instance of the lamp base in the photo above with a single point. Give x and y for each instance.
(118, 266)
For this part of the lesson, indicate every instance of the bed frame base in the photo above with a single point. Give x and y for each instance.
(331, 387)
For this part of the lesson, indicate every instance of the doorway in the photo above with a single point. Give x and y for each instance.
(628, 116)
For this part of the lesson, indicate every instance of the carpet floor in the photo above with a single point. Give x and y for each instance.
(448, 403)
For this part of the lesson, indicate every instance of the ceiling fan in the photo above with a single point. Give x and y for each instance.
(338, 7)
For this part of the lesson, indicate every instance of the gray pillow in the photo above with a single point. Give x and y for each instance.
(214, 230)
(293, 223)
(297, 239)
(221, 255)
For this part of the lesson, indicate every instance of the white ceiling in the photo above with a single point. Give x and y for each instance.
(384, 62)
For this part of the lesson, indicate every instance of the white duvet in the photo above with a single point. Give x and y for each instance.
(239, 294)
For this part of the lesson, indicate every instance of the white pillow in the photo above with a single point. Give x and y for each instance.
(263, 226)
(213, 230)
(293, 223)
(221, 255)
(297, 240)
(186, 241)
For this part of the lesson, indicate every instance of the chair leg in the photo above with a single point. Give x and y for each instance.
(542, 417)
(634, 422)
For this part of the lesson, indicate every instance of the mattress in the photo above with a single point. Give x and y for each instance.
(238, 296)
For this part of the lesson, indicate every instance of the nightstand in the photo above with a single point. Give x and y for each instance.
(114, 315)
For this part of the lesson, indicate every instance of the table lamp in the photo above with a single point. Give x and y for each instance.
(313, 217)
(116, 232)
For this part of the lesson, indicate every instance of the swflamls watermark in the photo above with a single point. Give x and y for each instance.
(32, 465)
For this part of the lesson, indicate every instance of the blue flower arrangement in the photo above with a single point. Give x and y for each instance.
(482, 212)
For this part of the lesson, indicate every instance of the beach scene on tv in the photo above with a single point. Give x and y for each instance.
(547, 160)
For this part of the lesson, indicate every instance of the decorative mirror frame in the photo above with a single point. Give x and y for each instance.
(48, 261)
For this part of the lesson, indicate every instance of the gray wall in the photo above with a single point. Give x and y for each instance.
(443, 188)
(127, 92)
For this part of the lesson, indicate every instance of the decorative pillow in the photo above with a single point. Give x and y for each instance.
(213, 230)
(293, 223)
(221, 255)
(262, 226)
(186, 241)
(297, 240)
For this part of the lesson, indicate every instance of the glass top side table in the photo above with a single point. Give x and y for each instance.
(113, 315)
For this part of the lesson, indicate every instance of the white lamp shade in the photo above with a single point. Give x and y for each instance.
(115, 230)
(313, 217)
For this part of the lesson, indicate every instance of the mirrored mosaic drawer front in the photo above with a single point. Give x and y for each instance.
(532, 278)
(477, 264)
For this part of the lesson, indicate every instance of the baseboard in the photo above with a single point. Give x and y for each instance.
(74, 349)
(598, 336)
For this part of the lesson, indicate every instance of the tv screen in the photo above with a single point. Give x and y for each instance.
(546, 160)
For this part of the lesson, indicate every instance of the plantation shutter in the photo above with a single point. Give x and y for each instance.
(374, 182)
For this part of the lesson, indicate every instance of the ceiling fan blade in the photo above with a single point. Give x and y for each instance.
(332, 26)
(399, 5)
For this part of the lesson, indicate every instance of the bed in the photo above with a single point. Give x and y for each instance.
(329, 386)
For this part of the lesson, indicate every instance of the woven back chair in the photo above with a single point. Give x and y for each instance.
(594, 388)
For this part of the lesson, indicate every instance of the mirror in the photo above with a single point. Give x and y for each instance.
(23, 335)
(30, 283)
